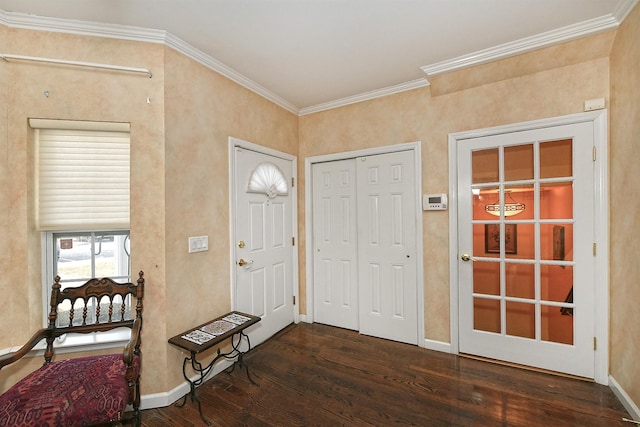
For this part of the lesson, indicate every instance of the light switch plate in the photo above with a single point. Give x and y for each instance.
(198, 244)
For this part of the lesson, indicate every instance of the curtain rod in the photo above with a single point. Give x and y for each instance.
(7, 57)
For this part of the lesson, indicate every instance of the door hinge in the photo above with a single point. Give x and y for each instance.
(594, 249)
(595, 153)
(293, 182)
(293, 241)
(294, 300)
(595, 343)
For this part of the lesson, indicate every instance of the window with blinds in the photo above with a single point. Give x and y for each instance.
(83, 170)
(82, 208)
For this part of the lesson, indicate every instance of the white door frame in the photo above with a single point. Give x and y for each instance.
(239, 143)
(417, 156)
(601, 231)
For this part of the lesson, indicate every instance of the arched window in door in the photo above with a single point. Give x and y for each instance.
(267, 178)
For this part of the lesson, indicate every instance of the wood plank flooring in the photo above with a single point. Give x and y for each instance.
(317, 375)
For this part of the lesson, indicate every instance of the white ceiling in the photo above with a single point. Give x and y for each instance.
(313, 54)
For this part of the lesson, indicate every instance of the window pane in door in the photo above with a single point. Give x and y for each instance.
(556, 200)
(556, 242)
(486, 240)
(557, 325)
(521, 319)
(520, 243)
(556, 159)
(486, 315)
(518, 162)
(482, 198)
(520, 280)
(486, 278)
(519, 202)
(484, 166)
(556, 283)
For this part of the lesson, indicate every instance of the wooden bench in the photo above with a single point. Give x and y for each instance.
(86, 390)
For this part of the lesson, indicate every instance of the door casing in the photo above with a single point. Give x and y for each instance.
(417, 156)
(601, 232)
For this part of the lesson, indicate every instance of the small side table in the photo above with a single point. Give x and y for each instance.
(203, 337)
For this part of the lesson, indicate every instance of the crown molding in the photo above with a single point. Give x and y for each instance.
(528, 44)
(571, 32)
(123, 32)
(366, 96)
(623, 8)
(69, 26)
(228, 72)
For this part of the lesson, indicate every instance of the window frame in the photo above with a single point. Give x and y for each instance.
(69, 343)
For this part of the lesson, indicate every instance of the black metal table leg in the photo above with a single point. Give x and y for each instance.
(197, 367)
(196, 344)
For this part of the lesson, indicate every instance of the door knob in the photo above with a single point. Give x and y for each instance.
(466, 257)
(243, 263)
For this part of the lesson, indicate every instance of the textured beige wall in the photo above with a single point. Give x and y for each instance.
(202, 110)
(576, 52)
(179, 177)
(5, 199)
(625, 191)
(557, 90)
(78, 94)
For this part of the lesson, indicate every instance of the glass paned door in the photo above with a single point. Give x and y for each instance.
(525, 230)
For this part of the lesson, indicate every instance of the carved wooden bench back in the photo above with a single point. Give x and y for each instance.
(98, 305)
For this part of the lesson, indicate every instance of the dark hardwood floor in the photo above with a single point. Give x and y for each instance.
(316, 375)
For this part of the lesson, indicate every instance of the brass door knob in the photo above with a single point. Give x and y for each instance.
(243, 263)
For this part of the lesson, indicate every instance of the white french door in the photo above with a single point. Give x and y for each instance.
(526, 203)
(263, 249)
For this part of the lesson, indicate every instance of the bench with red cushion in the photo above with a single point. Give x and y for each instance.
(86, 390)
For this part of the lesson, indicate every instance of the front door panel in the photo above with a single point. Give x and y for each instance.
(264, 258)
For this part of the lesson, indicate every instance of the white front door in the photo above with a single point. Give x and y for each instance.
(387, 246)
(335, 236)
(263, 234)
(526, 242)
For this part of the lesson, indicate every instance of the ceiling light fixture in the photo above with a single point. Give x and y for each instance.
(510, 208)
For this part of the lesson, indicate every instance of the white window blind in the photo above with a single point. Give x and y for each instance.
(83, 173)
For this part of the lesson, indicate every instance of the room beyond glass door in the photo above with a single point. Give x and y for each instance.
(526, 240)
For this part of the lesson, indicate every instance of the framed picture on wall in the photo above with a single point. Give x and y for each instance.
(492, 238)
(558, 242)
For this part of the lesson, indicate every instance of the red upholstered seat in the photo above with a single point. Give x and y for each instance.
(74, 392)
(81, 391)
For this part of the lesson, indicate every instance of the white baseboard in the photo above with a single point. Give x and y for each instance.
(624, 398)
(160, 400)
(441, 346)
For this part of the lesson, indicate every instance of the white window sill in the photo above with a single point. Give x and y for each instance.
(73, 343)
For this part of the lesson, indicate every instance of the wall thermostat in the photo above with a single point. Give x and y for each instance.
(434, 202)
